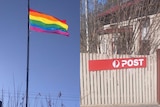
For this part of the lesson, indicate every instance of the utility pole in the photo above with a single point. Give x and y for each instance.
(86, 20)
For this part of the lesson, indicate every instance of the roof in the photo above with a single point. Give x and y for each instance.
(117, 7)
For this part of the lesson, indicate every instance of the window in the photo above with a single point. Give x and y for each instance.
(145, 28)
(144, 47)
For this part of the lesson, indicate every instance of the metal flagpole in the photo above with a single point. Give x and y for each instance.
(27, 76)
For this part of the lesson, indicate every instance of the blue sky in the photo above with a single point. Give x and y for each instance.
(54, 59)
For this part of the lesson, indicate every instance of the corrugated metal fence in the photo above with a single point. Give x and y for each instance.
(124, 86)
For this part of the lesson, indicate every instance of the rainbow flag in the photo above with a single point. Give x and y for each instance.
(41, 22)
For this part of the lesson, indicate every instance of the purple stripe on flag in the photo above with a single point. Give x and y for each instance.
(49, 31)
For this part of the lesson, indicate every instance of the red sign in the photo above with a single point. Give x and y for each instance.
(122, 63)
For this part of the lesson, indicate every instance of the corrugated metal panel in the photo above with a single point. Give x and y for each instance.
(123, 86)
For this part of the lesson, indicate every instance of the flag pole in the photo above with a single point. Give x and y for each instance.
(27, 75)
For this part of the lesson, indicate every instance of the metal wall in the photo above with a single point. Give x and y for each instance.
(124, 86)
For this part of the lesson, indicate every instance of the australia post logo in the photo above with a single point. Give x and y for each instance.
(121, 63)
(129, 63)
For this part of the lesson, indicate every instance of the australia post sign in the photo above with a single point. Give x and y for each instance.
(121, 63)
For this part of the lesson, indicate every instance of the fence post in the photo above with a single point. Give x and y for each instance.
(158, 76)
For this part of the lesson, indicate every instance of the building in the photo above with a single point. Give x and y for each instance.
(131, 27)
(131, 31)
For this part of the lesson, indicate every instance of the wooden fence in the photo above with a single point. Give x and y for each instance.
(124, 86)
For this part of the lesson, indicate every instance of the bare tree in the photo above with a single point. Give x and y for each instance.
(83, 43)
(94, 7)
(123, 27)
